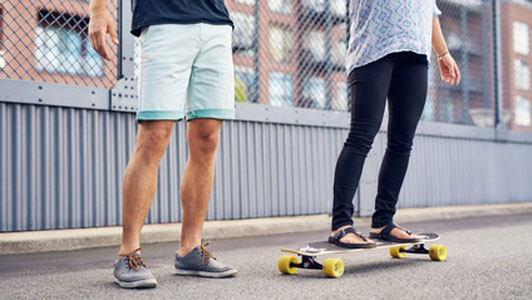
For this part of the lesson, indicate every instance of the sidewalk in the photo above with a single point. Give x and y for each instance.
(72, 239)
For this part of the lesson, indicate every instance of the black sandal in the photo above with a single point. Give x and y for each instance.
(384, 235)
(335, 239)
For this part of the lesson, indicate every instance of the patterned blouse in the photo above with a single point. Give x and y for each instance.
(381, 27)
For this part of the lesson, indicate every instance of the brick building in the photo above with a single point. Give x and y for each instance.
(516, 20)
(47, 40)
(291, 53)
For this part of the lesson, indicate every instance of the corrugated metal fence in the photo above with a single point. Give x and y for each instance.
(63, 168)
(64, 148)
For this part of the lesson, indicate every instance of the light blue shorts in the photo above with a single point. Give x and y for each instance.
(186, 68)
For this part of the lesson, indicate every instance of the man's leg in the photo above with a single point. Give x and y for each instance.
(196, 186)
(210, 100)
(140, 180)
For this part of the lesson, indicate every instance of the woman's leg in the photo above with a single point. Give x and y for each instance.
(369, 87)
(406, 99)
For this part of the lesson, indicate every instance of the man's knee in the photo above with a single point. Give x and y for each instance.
(154, 137)
(204, 141)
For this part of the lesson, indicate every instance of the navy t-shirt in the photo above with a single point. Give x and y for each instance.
(153, 12)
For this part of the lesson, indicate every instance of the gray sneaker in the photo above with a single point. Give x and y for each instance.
(200, 262)
(131, 272)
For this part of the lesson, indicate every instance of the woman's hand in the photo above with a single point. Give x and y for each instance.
(100, 25)
(448, 69)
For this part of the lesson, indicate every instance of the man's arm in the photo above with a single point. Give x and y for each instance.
(448, 69)
(100, 25)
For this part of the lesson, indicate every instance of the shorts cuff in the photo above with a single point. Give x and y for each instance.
(152, 115)
(222, 114)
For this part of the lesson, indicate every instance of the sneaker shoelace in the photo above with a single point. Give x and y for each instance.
(134, 261)
(205, 254)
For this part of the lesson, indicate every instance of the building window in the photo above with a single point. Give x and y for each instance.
(244, 32)
(521, 38)
(280, 6)
(2, 49)
(341, 96)
(339, 52)
(316, 5)
(338, 7)
(444, 111)
(248, 2)
(244, 84)
(63, 46)
(428, 110)
(522, 75)
(314, 44)
(522, 112)
(430, 72)
(280, 89)
(280, 41)
(314, 93)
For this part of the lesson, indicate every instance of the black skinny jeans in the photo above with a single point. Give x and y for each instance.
(402, 78)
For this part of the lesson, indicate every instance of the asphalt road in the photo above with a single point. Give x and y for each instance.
(489, 258)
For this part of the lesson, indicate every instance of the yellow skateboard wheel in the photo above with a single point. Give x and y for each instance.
(438, 252)
(284, 264)
(395, 252)
(333, 267)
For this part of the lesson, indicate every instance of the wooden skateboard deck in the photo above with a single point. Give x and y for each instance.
(324, 247)
(334, 267)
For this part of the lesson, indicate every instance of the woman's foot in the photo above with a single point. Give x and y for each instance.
(348, 237)
(394, 233)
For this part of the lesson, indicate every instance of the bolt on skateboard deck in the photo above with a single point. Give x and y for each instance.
(334, 267)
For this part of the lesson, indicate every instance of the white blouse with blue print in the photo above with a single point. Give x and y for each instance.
(381, 27)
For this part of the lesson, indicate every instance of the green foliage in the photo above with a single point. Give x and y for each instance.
(241, 94)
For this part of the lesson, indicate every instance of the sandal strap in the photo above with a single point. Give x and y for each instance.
(385, 232)
(404, 229)
(341, 233)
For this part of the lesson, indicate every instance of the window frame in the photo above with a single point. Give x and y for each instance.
(48, 19)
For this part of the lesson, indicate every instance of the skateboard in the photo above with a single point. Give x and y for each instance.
(334, 267)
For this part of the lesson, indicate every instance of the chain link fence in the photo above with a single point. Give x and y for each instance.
(292, 52)
(48, 41)
(469, 30)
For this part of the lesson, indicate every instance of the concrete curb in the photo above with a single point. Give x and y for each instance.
(72, 239)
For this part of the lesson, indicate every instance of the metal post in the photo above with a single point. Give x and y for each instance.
(498, 104)
(465, 64)
(124, 94)
(485, 56)
(126, 48)
(256, 49)
(328, 57)
(347, 39)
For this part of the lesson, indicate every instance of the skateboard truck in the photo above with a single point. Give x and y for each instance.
(416, 249)
(307, 262)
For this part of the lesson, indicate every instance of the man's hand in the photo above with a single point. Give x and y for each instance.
(100, 25)
(448, 69)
